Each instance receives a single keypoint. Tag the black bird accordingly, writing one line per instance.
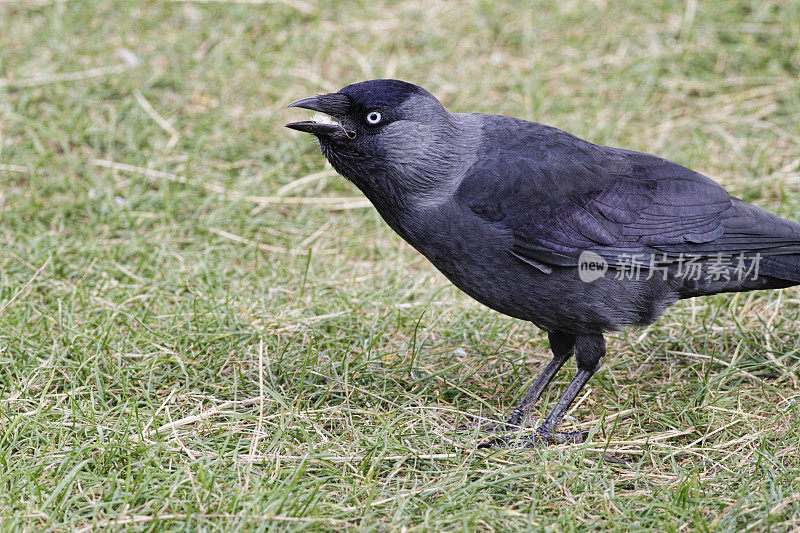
(540, 225)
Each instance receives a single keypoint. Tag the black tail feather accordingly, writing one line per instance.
(785, 267)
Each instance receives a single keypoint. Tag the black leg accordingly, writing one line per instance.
(562, 345)
(589, 353)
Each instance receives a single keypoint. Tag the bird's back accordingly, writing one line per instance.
(539, 199)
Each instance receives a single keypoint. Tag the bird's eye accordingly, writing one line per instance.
(373, 117)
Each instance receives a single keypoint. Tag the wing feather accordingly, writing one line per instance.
(560, 195)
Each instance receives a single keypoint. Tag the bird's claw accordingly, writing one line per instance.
(537, 440)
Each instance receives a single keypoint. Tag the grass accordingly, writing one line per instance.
(182, 350)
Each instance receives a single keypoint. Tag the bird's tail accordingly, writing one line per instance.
(782, 267)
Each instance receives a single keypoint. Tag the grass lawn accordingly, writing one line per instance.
(202, 327)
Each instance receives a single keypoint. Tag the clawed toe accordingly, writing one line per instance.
(537, 440)
(571, 437)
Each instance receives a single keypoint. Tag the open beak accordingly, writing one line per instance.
(324, 122)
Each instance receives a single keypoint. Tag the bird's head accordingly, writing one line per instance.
(381, 132)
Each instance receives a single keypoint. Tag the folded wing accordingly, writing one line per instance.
(559, 196)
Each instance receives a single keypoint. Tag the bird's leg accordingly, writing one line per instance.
(562, 345)
(589, 353)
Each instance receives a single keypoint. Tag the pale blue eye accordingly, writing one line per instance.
(373, 117)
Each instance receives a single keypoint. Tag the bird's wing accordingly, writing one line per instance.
(559, 196)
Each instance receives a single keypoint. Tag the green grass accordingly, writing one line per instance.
(178, 351)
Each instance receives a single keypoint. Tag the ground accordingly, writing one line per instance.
(202, 327)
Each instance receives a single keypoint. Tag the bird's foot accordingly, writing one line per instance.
(537, 440)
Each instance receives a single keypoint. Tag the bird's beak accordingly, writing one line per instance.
(307, 103)
(329, 108)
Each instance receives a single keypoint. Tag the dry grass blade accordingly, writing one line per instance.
(25, 288)
(220, 409)
(299, 5)
(170, 517)
(261, 246)
(13, 168)
(47, 79)
(301, 182)
(341, 203)
(161, 121)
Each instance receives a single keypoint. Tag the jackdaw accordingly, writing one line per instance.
(540, 225)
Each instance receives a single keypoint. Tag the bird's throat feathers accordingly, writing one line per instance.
(411, 164)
